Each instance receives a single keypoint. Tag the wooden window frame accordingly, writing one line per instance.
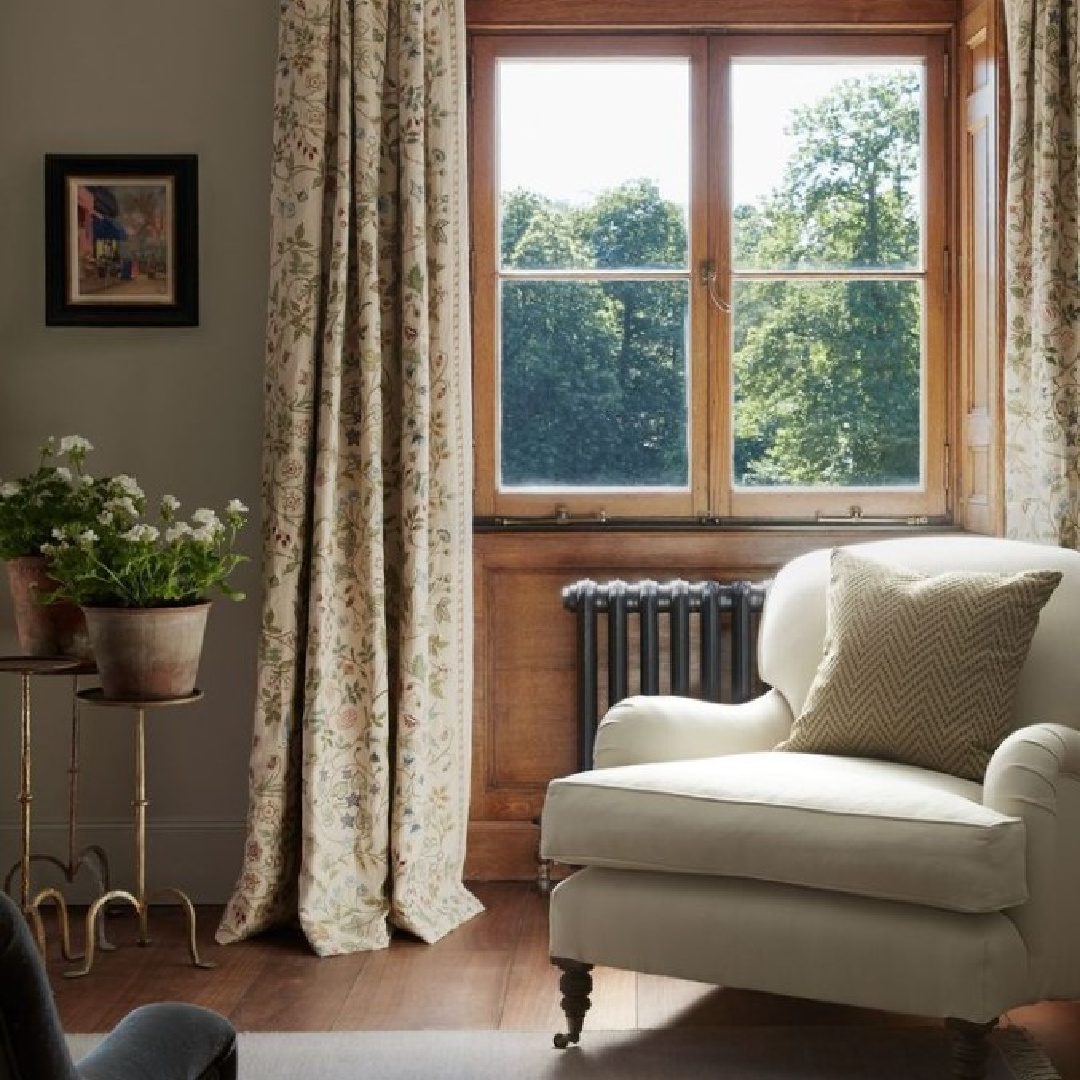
(711, 494)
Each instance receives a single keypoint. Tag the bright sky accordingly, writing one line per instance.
(573, 128)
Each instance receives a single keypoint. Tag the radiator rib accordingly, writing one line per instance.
(648, 605)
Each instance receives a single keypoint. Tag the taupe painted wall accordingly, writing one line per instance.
(178, 408)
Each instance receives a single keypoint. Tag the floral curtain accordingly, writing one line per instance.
(359, 769)
(1042, 370)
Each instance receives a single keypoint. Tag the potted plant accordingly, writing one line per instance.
(59, 494)
(145, 588)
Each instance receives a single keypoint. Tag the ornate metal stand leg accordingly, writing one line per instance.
(140, 825)
(140, 900)
(92, 857)
(92, 914)
(189, 915)
(25, 798)
(576, 985)
(61, 917)
(30, 908)
(970, 1047)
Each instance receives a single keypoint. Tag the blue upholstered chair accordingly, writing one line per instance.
(168, 1041)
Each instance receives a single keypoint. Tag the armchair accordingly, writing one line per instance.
(167, 1041)
(706, 853)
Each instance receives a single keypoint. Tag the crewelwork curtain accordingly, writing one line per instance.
(1042, 370)
(360, 760)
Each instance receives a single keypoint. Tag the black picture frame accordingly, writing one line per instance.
(121, 240)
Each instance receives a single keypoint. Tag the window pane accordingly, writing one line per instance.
(594, 384)
(827, 383)
(594, 163)
(827, 164)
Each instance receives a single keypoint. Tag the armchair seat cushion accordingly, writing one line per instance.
(859, 826)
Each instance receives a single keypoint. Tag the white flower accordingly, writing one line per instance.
(74, 443)
(203, 516)
(49, 549)
(236, 507)
(128, 485)
(170, 503)
(87, 538)
(105, 517)
(64, 473)
(138, 533)
(206, 533)
(85, 480)
(178, 531)
(122, 505)
(58, 534)
(8, 489)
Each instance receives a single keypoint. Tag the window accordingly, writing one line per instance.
(709, 276)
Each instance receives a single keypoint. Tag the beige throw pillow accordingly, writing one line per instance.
(920, 669)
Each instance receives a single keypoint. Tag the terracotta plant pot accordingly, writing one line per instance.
(44, 629)
(147, 654)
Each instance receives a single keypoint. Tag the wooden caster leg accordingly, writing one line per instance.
(576, 985)
(970, 1047)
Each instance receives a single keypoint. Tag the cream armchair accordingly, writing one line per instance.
(706, 854)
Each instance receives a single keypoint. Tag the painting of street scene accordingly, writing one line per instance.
(122, 248)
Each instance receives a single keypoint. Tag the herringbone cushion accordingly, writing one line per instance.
(917, 669)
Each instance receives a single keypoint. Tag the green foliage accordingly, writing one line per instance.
(57, 495)
(827, 373)
(631, 226)
(827, 380)
(125, 562)
(827, 384)
(593, 373)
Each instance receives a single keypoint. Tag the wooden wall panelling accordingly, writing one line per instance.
(699, 14)
(525, 713)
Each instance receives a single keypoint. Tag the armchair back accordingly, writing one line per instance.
(792, 632)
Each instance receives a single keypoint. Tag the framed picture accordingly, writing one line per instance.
(121, 240)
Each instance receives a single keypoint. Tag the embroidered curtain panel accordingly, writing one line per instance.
(1042, 369)
(360, 758)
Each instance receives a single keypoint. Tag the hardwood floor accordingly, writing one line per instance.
(493, 973)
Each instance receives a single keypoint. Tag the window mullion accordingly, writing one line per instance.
(718, 148)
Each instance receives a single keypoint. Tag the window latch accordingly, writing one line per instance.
(564, 517)
(855, 516)
(707, 277)
(559, 516)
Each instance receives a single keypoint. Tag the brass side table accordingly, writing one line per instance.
(92, 857)
(140, 899)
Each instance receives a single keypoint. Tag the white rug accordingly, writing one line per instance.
(809, 1053)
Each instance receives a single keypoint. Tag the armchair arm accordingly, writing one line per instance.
(642, 729)
(167, 1040)
(1035, 775)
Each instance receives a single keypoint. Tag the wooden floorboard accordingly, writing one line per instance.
(493, 973)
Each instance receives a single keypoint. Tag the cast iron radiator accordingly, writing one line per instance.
(707, 650)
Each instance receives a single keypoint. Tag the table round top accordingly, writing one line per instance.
(45, 665)
(96, 696)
